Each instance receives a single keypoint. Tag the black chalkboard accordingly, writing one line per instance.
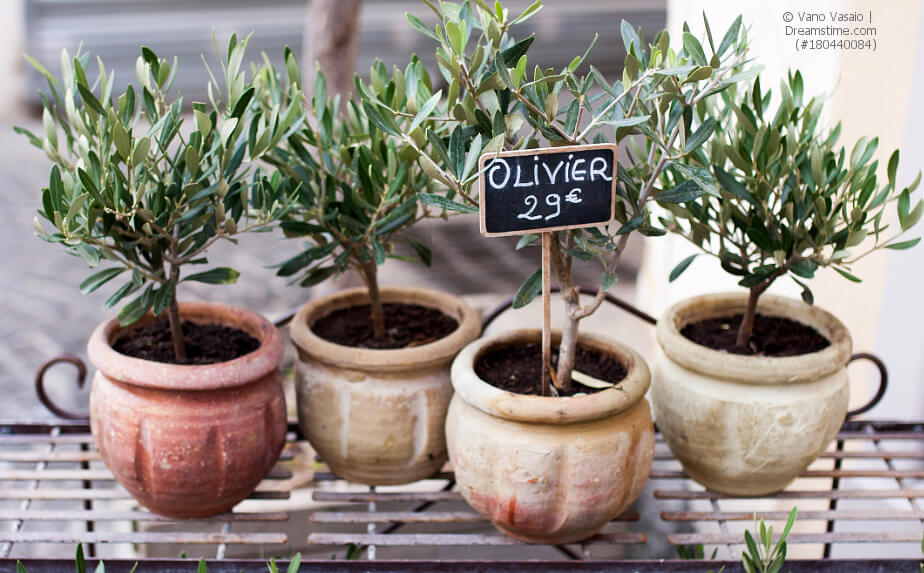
(540, 190)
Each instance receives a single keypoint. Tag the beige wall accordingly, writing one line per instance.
(12, 42)
(870, 94)
(900, 342)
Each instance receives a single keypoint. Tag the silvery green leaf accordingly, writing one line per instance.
(226, 129)
(444, 203)
(628, 121)
(526, 240)
(694, 49)
(900, 246)
(90, 255)
(681, 267)
(529, 290)
(140, 153)
(96, 280)
(163, 296)
(216, 276)
(425, 110)
(700, 176)
(133, 311)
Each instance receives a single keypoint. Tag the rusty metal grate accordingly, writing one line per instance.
(54, 489)
(867, 488)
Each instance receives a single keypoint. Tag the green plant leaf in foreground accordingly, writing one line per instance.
(529, 290)
(216, 276)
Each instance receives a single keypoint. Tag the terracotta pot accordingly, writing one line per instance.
(748, 425)
(376, 416)
(189, 441)
(549, 470)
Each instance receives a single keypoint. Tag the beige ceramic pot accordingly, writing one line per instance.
(549, 470)
(189, 441)
(376, 416)
(748, 425)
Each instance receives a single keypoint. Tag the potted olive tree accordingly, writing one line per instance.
(186, 407)
(557, 468)
(751, 387)
(372, 379)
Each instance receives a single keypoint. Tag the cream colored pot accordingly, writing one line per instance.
(549, 470)
(748, 425)
(376, 416)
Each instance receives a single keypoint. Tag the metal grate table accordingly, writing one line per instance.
(867, 488)
(866, 491)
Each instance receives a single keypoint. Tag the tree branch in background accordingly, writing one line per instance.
(332, 40)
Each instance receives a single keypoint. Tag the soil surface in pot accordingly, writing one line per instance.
(518, 368)
(405, 325)
(772, 336)
(205, 343)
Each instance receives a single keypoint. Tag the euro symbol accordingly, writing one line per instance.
(574, 196)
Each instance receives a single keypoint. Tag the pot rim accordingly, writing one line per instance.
(436, 353)
(546, 409)
(163, 375)
(758, 370)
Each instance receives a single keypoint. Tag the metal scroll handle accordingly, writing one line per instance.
(644, 316)
(883, 382)
(43, 395)
(81, 379)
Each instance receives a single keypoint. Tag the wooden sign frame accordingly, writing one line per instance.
(544, 151)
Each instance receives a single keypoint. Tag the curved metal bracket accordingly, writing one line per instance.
(43, 395)
(286, 318)
(883, 382)
(640, 314)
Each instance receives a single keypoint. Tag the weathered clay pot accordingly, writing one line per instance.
(376, 416)
(184, 440)
(549, 470)
(748, 425)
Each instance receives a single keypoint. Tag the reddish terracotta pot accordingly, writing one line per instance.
(189, 441)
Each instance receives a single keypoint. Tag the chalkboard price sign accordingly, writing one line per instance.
(541, 190)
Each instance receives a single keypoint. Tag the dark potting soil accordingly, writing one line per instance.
(205, 343)
(772, 336)
(518, 368)
(405, 325)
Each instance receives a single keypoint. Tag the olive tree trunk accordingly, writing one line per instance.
(743, 338)
(747, 320)
(567, 348)
(574, 312)
(369, 273)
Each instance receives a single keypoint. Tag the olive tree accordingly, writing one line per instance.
(496, 101)
(133, 191)
(791, 199)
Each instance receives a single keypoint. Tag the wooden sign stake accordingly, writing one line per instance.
(546, 312)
